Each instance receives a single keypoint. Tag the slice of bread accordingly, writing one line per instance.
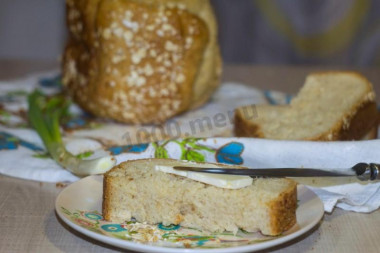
(136, 189)
(330, 106)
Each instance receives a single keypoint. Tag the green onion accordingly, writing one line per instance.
(44, 116)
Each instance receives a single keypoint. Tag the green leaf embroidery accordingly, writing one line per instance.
(201, 147)
(161, 152)
(195, 156)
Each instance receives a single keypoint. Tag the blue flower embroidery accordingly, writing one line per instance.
(113, 228)
(138, 148)
(273, 101)
(52, 82)
(75, 123)
(82, 121)
(269, 97)
(8, 142)
(288, 98)
(230, 153)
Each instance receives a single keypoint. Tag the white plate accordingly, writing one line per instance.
(79, 205)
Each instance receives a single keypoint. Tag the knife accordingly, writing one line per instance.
(362, 171)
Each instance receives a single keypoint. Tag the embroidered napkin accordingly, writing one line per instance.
(22, 153)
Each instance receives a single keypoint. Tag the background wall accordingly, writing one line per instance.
(335, 32)
(323, 32)
(31, 29)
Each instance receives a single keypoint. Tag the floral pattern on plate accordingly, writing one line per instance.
(173, 236)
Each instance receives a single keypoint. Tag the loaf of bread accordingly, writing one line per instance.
(141, 61)
(330, 106)
(136, 189)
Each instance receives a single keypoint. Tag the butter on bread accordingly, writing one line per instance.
(135, 189)
(330, 106)
(141, 61)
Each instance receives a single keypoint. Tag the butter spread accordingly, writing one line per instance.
(218, 180)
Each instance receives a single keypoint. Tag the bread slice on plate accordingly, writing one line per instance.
(136, 189)
(330, 106)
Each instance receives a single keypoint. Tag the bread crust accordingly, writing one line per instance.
(360, 123)
(372, 134)
(244, 127)
(107, 196)
(141, 61)
(283, 210)
(354, 125)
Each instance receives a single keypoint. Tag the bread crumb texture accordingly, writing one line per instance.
(136, 189)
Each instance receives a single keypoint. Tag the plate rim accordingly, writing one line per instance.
(150, 248)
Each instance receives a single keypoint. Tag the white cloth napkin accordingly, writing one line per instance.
(353, 197)
(22, 154)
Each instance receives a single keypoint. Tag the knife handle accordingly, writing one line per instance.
(372, 172)
(375, 171)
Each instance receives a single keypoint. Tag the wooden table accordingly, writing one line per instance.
(29, 223)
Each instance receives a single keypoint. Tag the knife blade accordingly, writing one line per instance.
(278, 172)
(363, 171)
